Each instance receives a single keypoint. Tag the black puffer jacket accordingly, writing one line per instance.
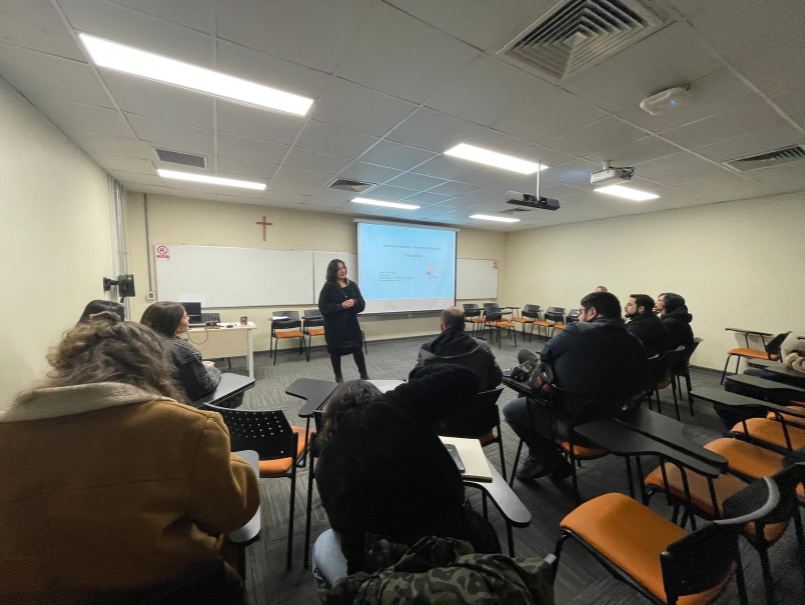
(459, 348)
(677, 322)
(386, 472)
(650, 330)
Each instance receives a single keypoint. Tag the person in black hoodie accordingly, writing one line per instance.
(455, 346)
(674, 315)
(645, 325)
(599, 369)
(383, 471)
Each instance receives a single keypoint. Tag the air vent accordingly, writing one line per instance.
(185, 159)
(770, 158)
(347, 185)
(577, 34)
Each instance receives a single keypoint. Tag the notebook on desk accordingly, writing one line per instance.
(472, 455)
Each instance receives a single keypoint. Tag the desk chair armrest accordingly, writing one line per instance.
(748, 331)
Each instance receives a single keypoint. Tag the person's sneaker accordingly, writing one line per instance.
(339, 379)
(532, 469)
(562, 472)
(365, 376)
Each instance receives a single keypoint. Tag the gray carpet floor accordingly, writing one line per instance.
(581, 580)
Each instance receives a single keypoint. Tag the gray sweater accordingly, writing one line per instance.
(190, 373)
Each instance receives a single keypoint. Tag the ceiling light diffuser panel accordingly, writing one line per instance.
(126, 59)
(371, 202)
(500, 219)
(212, 180)
(627, 192)
(493, 158)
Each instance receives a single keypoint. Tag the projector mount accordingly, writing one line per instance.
(532, 201)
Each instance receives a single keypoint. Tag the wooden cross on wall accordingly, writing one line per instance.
(264, 224)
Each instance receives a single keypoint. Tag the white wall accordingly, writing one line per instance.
(55, 238)
(738, 264)
(174, 220)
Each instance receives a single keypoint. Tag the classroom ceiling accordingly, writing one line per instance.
(398, 82)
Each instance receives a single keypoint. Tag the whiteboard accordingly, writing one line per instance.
(476, 279)
(320, 262)
(235, 277)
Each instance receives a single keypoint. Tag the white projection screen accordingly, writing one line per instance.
(406, 267)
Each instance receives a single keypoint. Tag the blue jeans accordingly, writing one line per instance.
(537, 426)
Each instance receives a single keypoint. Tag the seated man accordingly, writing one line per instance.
(674, 314)
(645, 325)
(599, 368)
(455, 346)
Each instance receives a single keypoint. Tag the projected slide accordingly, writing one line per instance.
(406, 268)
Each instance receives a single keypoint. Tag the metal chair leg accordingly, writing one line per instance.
(291, 515)
(726, 365)
(765, 565)
(516, 462)
(502, 457)
(309, 512)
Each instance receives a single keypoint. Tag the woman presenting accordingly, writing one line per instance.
(340, 301)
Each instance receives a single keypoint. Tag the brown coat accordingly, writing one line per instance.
(105, 487)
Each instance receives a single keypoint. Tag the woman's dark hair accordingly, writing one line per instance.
(672, 301)
(332, 270)
(163, 318)
(108, 349)
(345, 400)
(606, 303)
(99, 306)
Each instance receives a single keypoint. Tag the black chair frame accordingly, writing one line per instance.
(292, 322)
(771, 348)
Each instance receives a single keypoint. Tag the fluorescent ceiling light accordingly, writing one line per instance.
(502, 219)
(155, 67)
(371, 202)
(492, 158)
(213, 180)
(627, 192)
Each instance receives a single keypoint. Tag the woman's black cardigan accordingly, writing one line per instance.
(341, 329)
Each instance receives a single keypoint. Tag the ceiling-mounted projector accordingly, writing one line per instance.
(611, 175)
(532, 201)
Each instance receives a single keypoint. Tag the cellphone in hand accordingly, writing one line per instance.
(454, 455)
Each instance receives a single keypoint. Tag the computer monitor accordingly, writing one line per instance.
(193, 310)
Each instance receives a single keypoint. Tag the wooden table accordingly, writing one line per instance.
(217, 343)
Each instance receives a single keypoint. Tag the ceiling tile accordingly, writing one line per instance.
(752, 143)
(302, 177)
(689, 174)
(122, 164)
(428, 129)
(486, 90)
(150, 189)
(411, 180)
(89, 118)
(257, 123)
(359, 108)
(486, 25)
(317, 162)
(96, 144)
(727, 125)
(324, 138)
(120, 24)
(369, 173)
(387, 192)
(426, 198)
(36, 25)
(172, 136)
(136, 177)
(667, 58)
(38, 75)
(246, 167)
(571, 171)
(487, 194)
(600, 136)
(402, 56)
(668, 163)
(261, 68)
(195, 14)
(501, 179)
(311, 32)
(395, 155)
(446, 167)
(641, 150)
(249, 149)
(161, 101)
(285, 197)
(455, 188)
(554, 113)
(500, 142)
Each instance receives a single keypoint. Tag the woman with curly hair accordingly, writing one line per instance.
(108, 484)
